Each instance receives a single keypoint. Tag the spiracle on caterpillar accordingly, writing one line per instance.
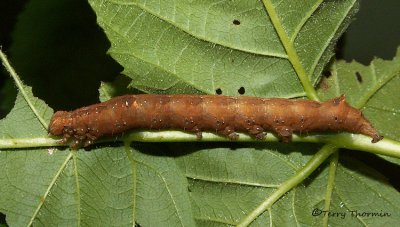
(224, 115)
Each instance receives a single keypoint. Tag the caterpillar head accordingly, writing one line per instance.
(58, 123)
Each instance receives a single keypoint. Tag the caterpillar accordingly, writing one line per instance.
(224, 115)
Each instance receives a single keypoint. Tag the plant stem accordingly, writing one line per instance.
(133, 166)
(330, 184)
(291, 51)
(385, 147)
(28, 142)
(299, 177)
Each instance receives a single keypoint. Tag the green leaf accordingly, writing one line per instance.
(200, 47)
(26, 180)
(111, 186)
(161, 189)
(118, 87)
(373, 88)
(23, 122)
(356, 188)
(228, 182)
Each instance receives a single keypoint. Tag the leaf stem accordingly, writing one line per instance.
(350, 141)
(385, 147)
(133, 166)
(286, 186)
(291, 51)
(51, 184)
(330, 184)
(28, 142)
(78, 187)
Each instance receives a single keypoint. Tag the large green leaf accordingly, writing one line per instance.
(201, 46)
(227, 184)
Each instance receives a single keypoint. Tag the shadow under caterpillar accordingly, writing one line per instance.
(224, 115)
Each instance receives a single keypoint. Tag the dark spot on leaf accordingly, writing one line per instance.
(218, 91)
(241, 90)
(236, 22)
(359, 77)
(326, 74)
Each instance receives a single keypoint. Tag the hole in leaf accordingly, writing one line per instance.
(359, 77)
(241, 90)
(326, 74)
(236, 22)
(218, 91)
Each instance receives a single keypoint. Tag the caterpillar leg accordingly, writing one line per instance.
(88, 142)
(65, 139)
(67, 133)
(75, 144)
(199, 135)
(261, 135)
(229, 132)
(233, 136)
(197, 131)
(284, 133)
(89, 139)
(257, 131)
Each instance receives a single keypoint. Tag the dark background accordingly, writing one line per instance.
(53, 44)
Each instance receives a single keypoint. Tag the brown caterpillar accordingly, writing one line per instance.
(221, 114)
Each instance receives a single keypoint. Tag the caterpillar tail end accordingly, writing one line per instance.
(368, 130)
(376, 138)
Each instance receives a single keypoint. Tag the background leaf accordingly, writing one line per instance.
(372, 88)
(354, 182)
(26, 178)
(231, 44)
(227, 182)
